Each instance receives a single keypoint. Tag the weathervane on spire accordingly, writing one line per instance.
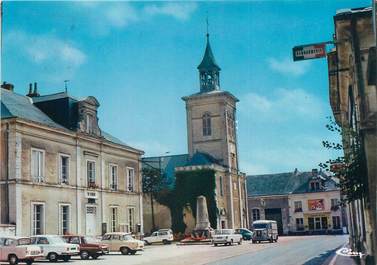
(207, 24)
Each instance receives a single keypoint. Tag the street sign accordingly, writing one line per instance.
(311, 51)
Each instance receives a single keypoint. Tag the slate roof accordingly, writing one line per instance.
(285, 183)
(170, 162)
(17, 106)
(208, 61)
(14, 105)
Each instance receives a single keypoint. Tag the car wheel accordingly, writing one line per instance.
(53, 257)
(165, 242)
(66, 258)
(29, 262)
(124, 250)
(133, 252)
(215, 244)
(13, 260)
(95, 256)
(84, 254)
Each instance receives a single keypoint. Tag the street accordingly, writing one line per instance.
(308, 250)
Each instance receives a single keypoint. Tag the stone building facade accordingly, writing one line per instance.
(212, 144)
(60, 173)
(300, 202)
(353, 98)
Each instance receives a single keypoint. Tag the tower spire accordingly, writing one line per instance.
(209, 71)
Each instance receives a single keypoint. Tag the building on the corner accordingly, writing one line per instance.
(60, 172)
(352, 71)
(212, 144)
(300, 202)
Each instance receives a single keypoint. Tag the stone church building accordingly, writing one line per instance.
(212, 144)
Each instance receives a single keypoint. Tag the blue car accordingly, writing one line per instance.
(246, 233)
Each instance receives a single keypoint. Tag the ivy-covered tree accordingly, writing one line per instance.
(351, 168)
(152, 185)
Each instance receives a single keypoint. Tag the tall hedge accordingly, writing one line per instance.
(188, 186)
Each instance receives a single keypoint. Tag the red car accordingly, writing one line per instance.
(89, 246)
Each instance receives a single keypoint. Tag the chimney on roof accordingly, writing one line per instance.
(33, 93)
(314, 172)
(7, 86)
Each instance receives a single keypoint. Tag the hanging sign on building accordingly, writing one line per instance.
(316, 205)
(310, 51)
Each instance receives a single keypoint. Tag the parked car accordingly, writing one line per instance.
(123, 242)
(54, 248)
(265, 230)
(89, 246)
(226, 237)
(164, 236)
(18, 249)
(245, 233)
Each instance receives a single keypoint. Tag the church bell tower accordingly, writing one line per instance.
(211, 115)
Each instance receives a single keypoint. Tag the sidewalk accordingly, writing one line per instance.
(341, 257)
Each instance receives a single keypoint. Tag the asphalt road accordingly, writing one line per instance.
(307, 250)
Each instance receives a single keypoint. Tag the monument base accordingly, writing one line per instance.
(198, 236)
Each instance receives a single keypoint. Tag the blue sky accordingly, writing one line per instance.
(139, 58)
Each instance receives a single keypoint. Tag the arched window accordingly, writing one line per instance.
(256, 214)
(206, 124)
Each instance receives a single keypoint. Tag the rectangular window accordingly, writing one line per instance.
(64, 168)
(256, 214)
(113, 177)
(114, 219)
(64, 219)
(91, 173)
(37, 165)
(131, 219)
(334, 204)
(38, 218)
(336, 222)
(311, 223)
(221, 186)
(298, 206)
(299, 224)
(130, 179)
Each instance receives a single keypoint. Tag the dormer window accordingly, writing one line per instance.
(315, 185)
(89, 123)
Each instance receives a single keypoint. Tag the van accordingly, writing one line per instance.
(265, 230)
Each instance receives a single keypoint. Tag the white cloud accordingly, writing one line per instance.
(287, 66)
(282, 105)
(61, 58)
(106, 16)
(180, 11)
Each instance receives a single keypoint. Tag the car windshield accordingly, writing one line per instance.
(259, 226)
(24, 241)
(223, 232)
(56, 240)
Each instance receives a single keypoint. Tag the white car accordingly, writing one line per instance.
(55, 248)
(226, 237)
(164, 236)
(18, 249)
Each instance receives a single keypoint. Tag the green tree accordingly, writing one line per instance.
(152, 185)
(351, 168)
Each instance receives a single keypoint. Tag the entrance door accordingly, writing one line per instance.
(275, 214)
(91, 220)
